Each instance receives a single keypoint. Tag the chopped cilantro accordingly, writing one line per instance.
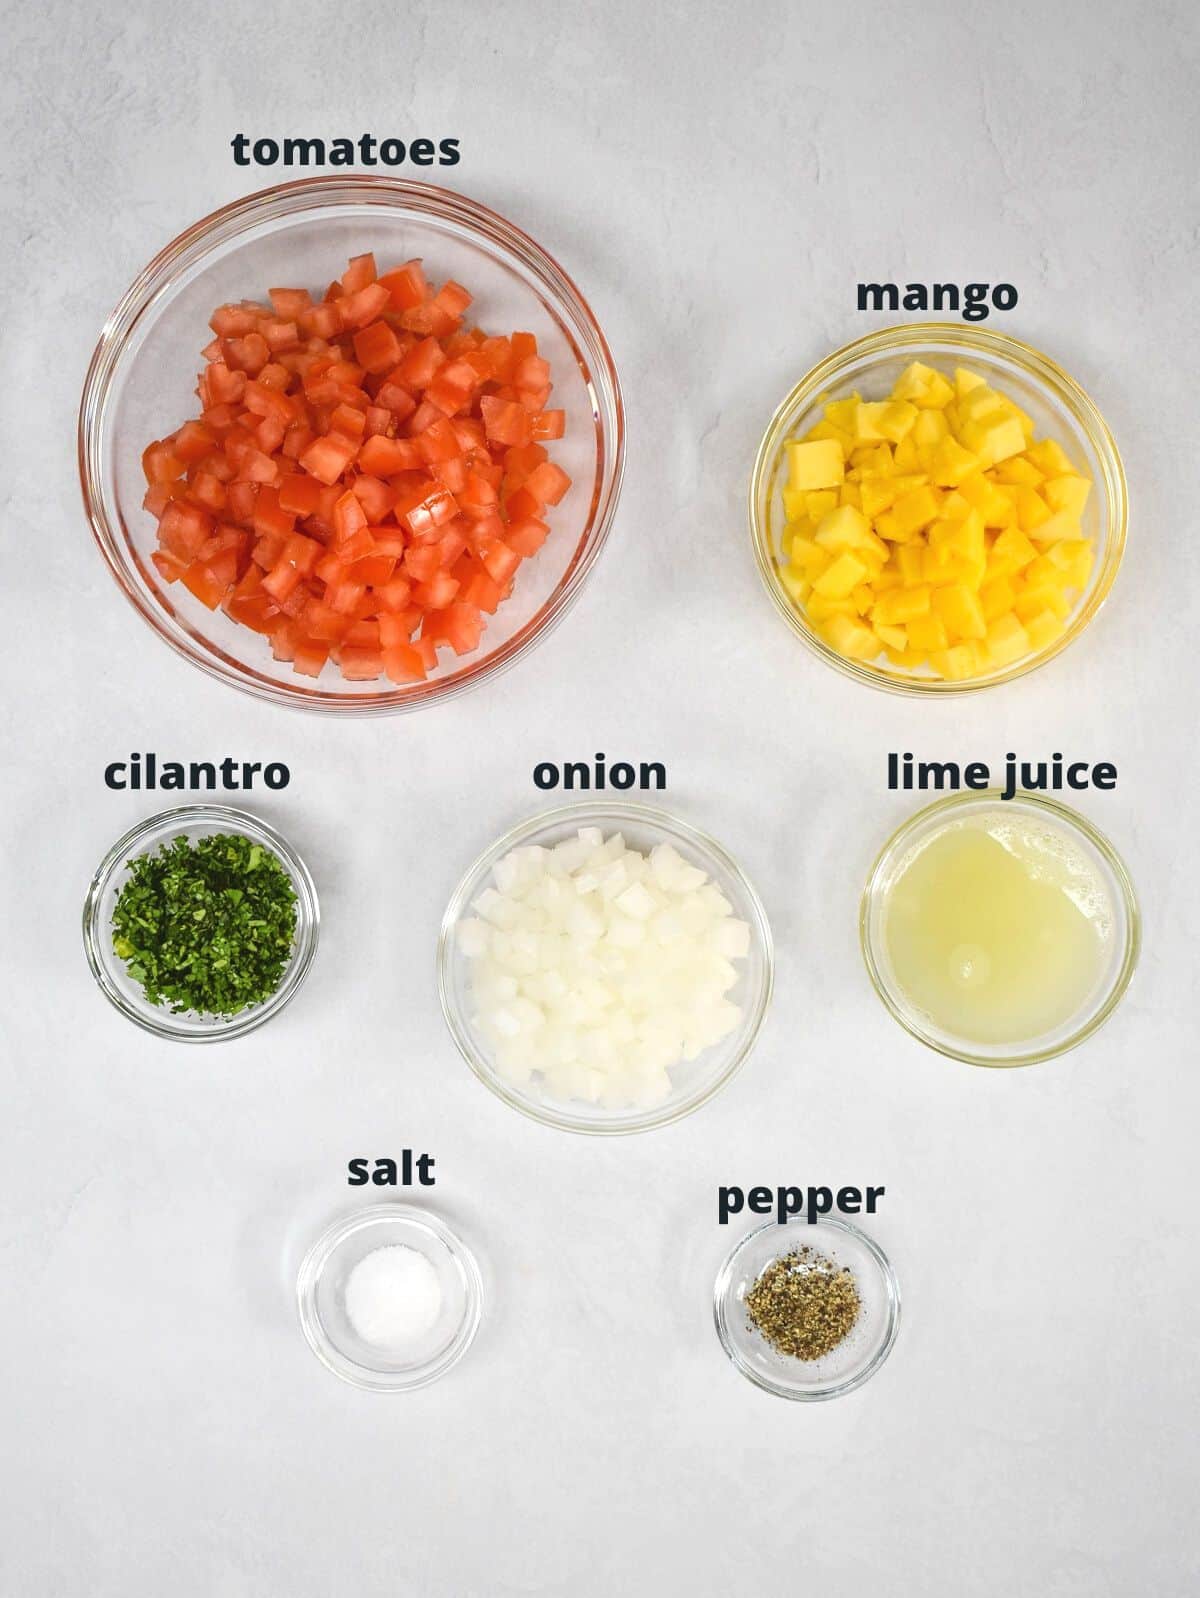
(206, 925)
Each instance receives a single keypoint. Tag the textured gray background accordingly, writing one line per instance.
(717, 179)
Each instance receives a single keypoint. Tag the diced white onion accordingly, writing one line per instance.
(598, 969)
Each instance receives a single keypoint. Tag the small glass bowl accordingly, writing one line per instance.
(695, 1082)
(1125, 939)
(192, 821)
(1060, 410)
(321, 1287)
(140, 385)
(856, 1358)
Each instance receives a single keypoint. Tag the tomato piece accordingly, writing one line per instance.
(361, 271)
(504, 421)
(310, 656)
(375, 497)
(407, 286)
(526, 537)
(160, 462)
(377, 348)
(356, 310)
(299, 495)
(204, 584)
(437, 593)
(548, 483)
(327, 458)
(548, 424)
(360, 665)
(403, 663)
(500, 561)
(462, 627)
(420, 364)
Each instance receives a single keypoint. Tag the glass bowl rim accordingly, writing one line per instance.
(181, 817)
(816, 1395)
(1058, 383)
(238, 220)
(1073, 821)
(655, 818)
(317, 1257)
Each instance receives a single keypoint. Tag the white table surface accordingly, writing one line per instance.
(717, 179)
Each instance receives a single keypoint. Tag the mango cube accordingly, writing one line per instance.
(840, 576)
(820, 463)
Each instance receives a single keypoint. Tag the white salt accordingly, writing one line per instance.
(393, 1296)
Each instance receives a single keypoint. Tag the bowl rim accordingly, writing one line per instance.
(815, 1395)
(316, 1258)
(179, 818)
(653, 817)
(1074, 822)
(240, 217)
(1060, 385)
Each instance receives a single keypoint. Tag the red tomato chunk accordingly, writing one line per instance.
(366, 475)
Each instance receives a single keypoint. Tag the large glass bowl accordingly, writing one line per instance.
(870, 366)
(140, 385)
(695, 1082)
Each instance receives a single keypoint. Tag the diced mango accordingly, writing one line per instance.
(819, 463)
(928, 529)
(841, 576)
(960, 610)
(1061, 525)
(1043, 629)
(951, 463)
(915, 510)
(901, 605)
(1007, 640)
(850, 637)
(926, 632)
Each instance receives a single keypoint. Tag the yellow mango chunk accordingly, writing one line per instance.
(899, 605)
(843, 528)
(820, 463)
(915, 510)
(850, 637)
(996, 599)
(1043, 629)
(926, 632)
(960, 610)
(885, 419)
(951, 463)
(1061, 525)
(819, 503)
(1007, 640)
(840, 576)
(1068, 493)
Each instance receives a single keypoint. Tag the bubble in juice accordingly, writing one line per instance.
(998, 928)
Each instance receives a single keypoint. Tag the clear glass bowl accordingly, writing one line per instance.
(1061, 411)
(141, 380)
(192, 821)
(321, 1290)
(856, 1358)
(1124, 938)
(695, 1082)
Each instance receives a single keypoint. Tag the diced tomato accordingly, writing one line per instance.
(526, 537)
(377, 348)
(500, 561)
(505, 421)
(359, 273)
(360, 665)
(327, 458)
(407, 286)
(289, 502)
(310, 656)
(547, 483)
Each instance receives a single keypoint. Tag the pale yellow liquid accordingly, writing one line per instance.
(998, 928)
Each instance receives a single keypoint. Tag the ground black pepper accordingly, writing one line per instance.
(804, 1304)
